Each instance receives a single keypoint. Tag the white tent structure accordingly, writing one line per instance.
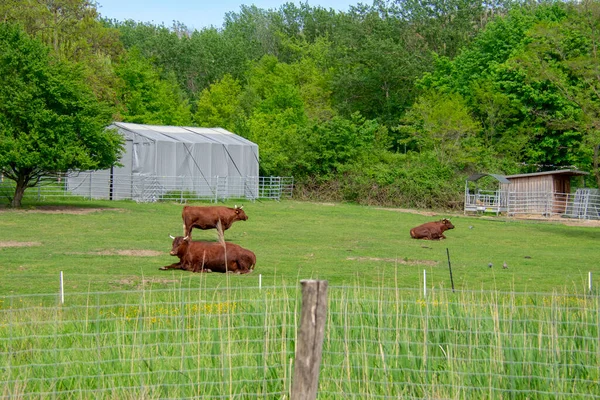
(202, 162)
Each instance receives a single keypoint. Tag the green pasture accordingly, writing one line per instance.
(110, 246)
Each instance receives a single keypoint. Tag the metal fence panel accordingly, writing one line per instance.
(583, 204)
(150, 188)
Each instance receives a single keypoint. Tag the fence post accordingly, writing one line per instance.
(309, 344)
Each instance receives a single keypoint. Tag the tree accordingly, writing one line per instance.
(72, 30)
(442, 123)
(219, 105)
(146, 98)
(523, 113)
(50, 120)
(377, 59)
(565, 54)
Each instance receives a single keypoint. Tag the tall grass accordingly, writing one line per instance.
(239, 343)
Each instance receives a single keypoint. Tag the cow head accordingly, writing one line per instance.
(240, 214)
(447, 223)
(178, 242)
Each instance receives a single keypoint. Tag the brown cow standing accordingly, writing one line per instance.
(208, 217)
(211, 257)
(431, 230)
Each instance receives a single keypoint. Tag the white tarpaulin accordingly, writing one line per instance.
(163, 155)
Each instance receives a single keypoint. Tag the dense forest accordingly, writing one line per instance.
(393, 103)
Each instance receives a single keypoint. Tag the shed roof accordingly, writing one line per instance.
(567, 172)
(499, 178)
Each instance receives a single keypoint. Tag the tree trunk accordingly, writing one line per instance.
(19, 192)
(22, 183)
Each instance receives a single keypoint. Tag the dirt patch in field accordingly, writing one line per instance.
(131, 253)
(410, 211)
(560, 220)
(11, 243)
(533, 217)
(62, 210)
(395, 260)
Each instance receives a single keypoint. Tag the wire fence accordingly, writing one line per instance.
(239, 343)
(583, 204)
(151, 188)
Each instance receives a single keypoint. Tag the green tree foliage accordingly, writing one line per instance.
(377, 62)
(277, 116)
(50, 120)
(145, 98)
(565, 54)
(220, 105)
(523, 114)
(328, 147)
(441, 123)
(71, 28)
(447, 25)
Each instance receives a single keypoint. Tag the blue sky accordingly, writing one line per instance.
(198, 14)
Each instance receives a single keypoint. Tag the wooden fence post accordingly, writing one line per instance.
(309, 344)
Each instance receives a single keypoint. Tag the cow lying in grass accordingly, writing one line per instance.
(211, 256)
(431, 230)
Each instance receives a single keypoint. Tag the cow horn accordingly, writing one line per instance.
(241, 207)
(235, 206)
(171, 236)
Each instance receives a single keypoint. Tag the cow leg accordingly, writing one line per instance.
(172, 266)
(199, 267)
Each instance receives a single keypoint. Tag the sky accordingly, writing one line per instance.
(198, 14)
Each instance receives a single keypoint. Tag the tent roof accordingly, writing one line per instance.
(184, 134)
(499, 178)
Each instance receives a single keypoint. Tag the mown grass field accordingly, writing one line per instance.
(104, 246)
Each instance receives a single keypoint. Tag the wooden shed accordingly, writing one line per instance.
(544, 193)
(540, 192)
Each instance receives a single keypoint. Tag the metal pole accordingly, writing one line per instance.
(424, 283)
(450, 268)
(62, 289)
(112, 178)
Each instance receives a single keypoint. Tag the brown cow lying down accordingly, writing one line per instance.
(431, 230)
(207, 217)
(210, 257)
